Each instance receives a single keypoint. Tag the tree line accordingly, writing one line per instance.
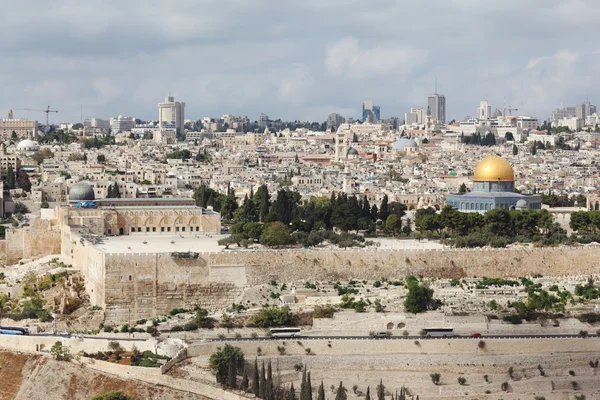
(497, 228)
(233, 372)
(259, 218)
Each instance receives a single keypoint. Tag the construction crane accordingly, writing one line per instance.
(510, 110)
(47, 111)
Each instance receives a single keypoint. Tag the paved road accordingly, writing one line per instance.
(551, 336)
(87, 337)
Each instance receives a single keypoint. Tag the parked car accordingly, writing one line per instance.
(476, 335)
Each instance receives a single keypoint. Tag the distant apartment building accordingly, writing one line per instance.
(370, 112)
(334, 120)
(122, 124)
(592, 119)
(525, 122)
(573, 123)
(437, 107)
(561, 113)
(97, 124)
(172, 112)
(415, 116)
(584, 109)
(263, 120)
(22, 127)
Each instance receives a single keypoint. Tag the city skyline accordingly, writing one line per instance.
(225, 64)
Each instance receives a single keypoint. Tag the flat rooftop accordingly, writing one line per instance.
(158, 243)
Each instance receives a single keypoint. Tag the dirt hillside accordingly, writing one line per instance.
(32, 377)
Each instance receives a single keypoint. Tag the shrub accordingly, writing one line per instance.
(125, 328)
(504, 386)
(574, 385)
(190, 326)
(542, 372)
(485, 378)
(435, 378)
(571, 372)
(281, 350)
(481, 344)
(60, 352)
(462, 380)
(272, 316)
(325, 311)
(176, 311)
(108, 328)
(114, 395)
(177, 328)
(513, 319)
(511, 372)
(298, 367)
(583, 333)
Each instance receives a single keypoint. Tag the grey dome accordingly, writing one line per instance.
(82, 192)
(521, 205)
(352, 152)
(402, 143)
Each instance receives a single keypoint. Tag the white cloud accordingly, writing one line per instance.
(346, 58)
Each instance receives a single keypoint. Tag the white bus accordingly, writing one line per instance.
(438, 332)
(285, 332)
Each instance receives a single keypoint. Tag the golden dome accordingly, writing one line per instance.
(494, 168)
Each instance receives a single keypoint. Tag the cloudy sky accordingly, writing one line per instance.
(295, 59)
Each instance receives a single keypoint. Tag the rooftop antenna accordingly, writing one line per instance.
(435, 86)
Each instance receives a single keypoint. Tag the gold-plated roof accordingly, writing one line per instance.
(494, 168)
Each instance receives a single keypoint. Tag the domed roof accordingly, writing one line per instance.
(352, 151)
(402, 143)
(521, 203)
(27, 145)
(81, 192)
(493, 169)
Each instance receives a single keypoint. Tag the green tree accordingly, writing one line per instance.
(275, 234)
(515, 150)
(101, 159)
(13, 135)
(113, 395)
(534, 149)
(341, 392)
(11, 182)
(23, 181)
(321, 392)
(60, 352)
(435, 378)
(462, 189)
(227, 361)
(255, 379)
(21, 208)
(383, 209)
(272, 316)
(419, 297)
(368, 395)
(380, 390)
(393, 224)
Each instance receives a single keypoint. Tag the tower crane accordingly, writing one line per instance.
(47, 111)
(510, 110)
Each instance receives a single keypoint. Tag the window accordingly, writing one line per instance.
(129, 277)
(153, 229)
(197, 228)
(162, 228)
(169, 229)
(183, 229)
(177, 229)
(132, 229)
(139, 229)
(147, 229)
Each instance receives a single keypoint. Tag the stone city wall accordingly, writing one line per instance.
(146, 285)
(40, 238)
(295, 265)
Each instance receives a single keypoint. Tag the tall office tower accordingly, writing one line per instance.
(583, 110)
(484, 111)
(370, 113)
(560, 113)
(437, 107)
(171, 113)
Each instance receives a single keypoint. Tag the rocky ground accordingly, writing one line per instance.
(32, 377)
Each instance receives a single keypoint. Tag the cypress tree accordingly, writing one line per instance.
(10, 178)
(340, 393)
(245, 383)
(383, 209)
(303, 385)
(308, 387)
(255, 379)
(231, 374)
(116, 192)
(292, 393)
(269, 383)
(263, 382)
(368, 395)
(321, 392)
(380, 390)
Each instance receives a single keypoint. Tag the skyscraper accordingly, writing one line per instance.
(437, 107)
(171, 113)
(370, 113)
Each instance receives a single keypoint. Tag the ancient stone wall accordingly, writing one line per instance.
(39, 239)
(293, 265)
(147, 285)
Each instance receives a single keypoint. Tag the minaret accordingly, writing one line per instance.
(346, 184)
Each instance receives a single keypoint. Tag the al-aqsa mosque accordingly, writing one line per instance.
(493, 187)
